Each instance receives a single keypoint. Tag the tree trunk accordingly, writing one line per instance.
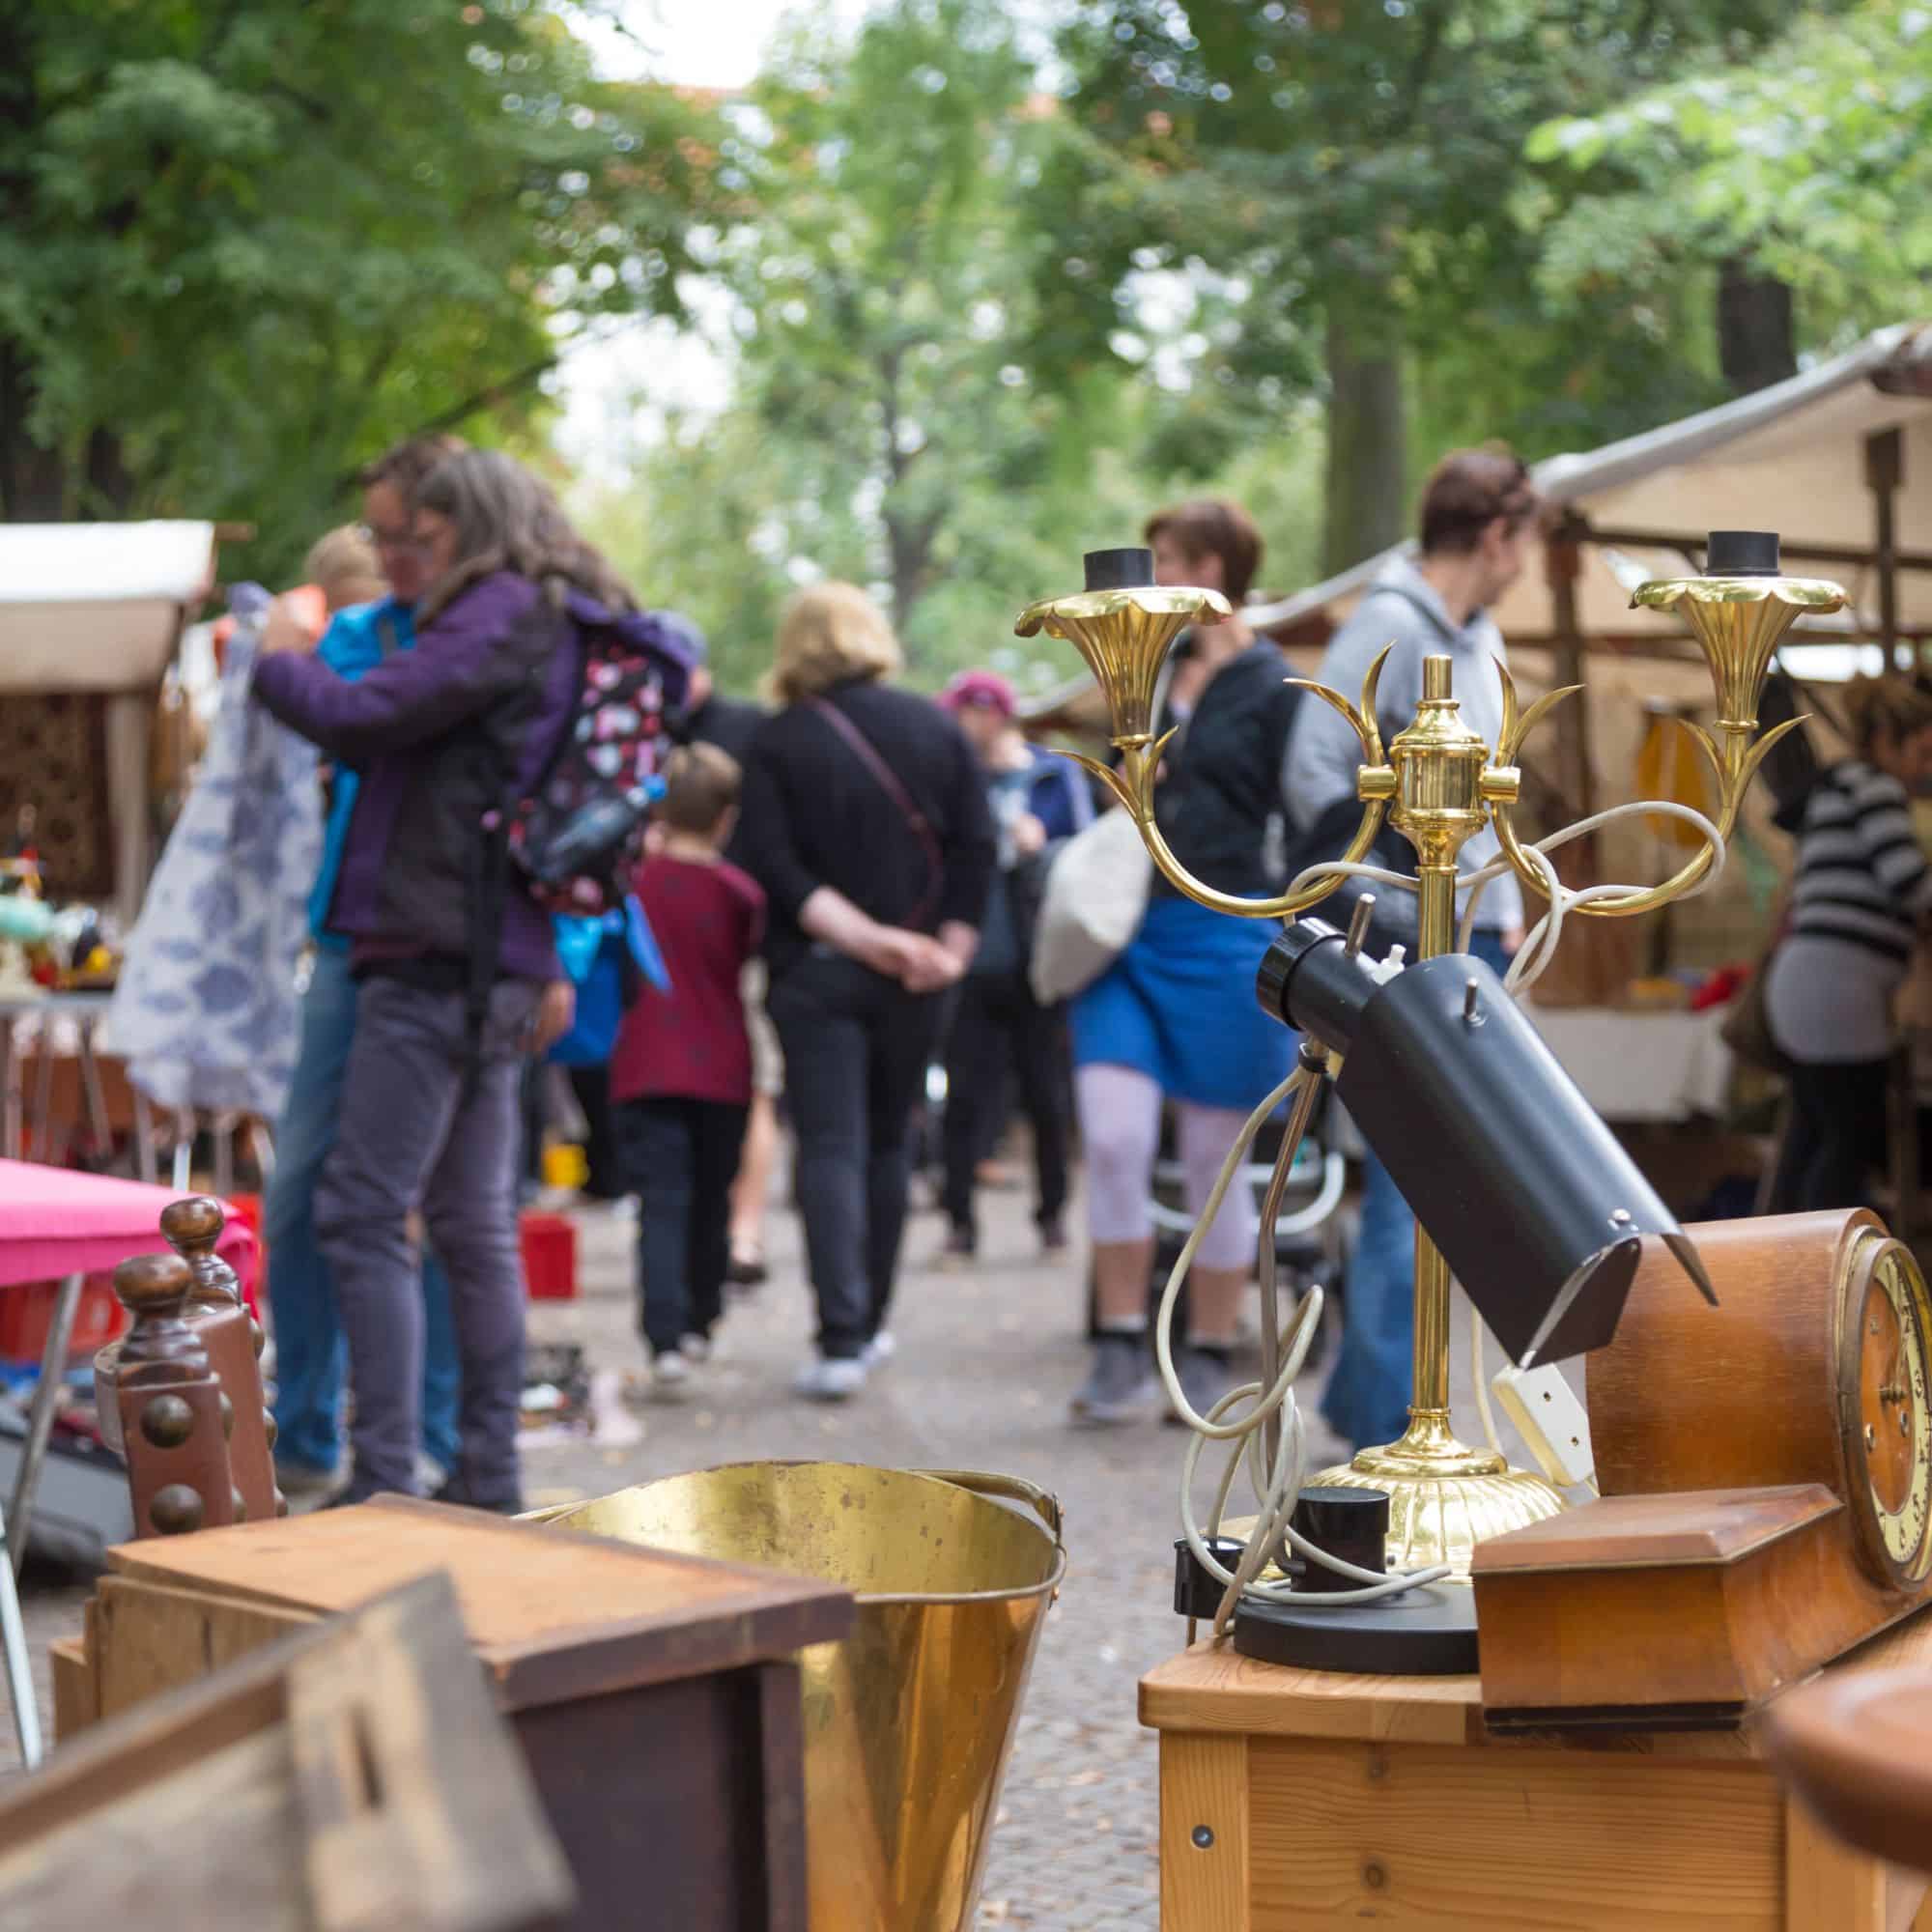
(1757, 339)
(110, 483)
(33, 481)
(909, 541)
(1368, 444)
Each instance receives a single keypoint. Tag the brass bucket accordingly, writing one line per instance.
(908, 1719)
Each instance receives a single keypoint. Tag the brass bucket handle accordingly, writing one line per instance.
(1011, 1488)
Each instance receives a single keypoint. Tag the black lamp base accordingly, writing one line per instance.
(1429, 1630)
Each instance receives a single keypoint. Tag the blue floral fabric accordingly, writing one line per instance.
(205, 1009)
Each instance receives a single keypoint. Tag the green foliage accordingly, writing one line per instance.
(1365, 165)
(242, 246)
(1815, 161)
(889, 423)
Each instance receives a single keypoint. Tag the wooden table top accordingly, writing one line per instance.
(1210, 1689)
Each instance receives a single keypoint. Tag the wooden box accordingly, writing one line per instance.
(654, 1696)
(352, 1776)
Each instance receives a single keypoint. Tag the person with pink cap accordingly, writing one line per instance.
(1037, 798)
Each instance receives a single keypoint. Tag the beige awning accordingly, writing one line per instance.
(98, 607)
(1791, 458)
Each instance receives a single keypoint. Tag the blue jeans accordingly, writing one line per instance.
(1367, 1399)
(310, 1358)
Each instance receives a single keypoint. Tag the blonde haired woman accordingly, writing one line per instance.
(1862, 890)
(865, 819)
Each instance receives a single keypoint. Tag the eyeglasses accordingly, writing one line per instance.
(395, 540)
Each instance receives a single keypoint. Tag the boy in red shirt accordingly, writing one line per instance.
(681, 1071)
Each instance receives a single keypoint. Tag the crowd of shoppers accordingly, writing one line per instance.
(839, 891)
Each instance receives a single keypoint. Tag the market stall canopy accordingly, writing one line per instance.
(1797, 458)
(96, 607)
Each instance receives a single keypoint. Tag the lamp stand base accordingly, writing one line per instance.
(1444, 1497)
(1428, 1632)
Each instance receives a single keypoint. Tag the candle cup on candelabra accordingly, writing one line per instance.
(1438, 785)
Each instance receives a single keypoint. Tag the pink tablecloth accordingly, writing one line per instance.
(54, 1222)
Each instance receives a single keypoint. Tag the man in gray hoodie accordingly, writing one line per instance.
(1478, 516)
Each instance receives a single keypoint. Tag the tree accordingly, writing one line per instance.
(1362, 168)
(1812, 164)
(896, 415)
(242, 246)
(890, 264)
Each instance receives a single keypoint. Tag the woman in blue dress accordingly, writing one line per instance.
(1173, 1020)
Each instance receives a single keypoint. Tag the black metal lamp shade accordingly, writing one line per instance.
(1532, 1200)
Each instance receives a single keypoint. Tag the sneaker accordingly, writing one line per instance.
(695, 1350)
(879, 1351)
(831, 1378)
(747, 1268)
(1053, 1236)
(1204, 1378)
(670, 1374)
(304, 1479)
(1120, 1387)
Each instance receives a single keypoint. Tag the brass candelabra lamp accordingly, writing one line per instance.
(1439, 782)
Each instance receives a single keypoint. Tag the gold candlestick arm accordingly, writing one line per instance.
(1124, 635)
(1737, 622)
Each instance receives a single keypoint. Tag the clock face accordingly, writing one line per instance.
(1886, 1407)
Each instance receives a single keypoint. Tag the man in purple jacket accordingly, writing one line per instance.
(442, 736)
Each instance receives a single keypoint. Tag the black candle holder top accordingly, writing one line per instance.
(1130, 569)
(1741, 553)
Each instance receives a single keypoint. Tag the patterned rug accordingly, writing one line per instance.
(53, 756)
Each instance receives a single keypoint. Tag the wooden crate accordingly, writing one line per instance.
(352, 1776)
(655, 1696)
(1312, 1800)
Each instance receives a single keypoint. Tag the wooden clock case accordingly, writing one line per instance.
(1729, 1558)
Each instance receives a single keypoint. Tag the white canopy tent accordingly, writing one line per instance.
(1837, 460)
(98, 609)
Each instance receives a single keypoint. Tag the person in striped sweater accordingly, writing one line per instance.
(1862, 889)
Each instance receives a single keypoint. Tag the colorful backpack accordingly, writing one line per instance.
(576, 835)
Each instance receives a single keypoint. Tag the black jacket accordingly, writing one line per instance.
(1222, 792)
(815, 815)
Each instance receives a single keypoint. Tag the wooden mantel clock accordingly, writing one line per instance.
(1766, 1469)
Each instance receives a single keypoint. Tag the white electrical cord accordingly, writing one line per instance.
(1278, 1488)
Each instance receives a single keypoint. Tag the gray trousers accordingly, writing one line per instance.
(407, 1137)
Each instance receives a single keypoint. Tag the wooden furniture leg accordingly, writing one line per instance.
(1828, 1887)
(1204, 1833)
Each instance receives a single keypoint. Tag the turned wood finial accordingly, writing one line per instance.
(191, 1227)
(154, 1289)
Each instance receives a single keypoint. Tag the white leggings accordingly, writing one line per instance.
(1120, 1134)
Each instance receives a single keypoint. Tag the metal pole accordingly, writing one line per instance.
(19, 1670)
(9, 1090)
(1562, 560)
(41, 1418)
(99, 1128)
(1436, 923)
(1885, 470)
